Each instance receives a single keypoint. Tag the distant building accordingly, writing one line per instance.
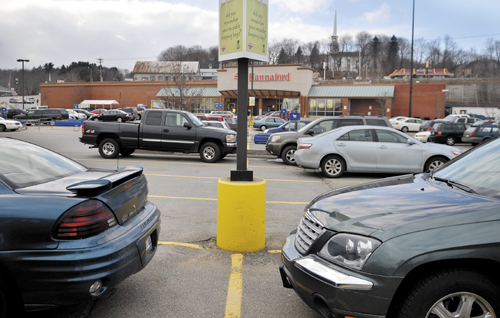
(340, 60)
(208, 73)
(166, 70)
(422, 73)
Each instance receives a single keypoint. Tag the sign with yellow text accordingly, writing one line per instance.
(243, 29)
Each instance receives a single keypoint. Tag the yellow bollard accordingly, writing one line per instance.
(241, 215)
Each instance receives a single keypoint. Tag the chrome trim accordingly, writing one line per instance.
(332, 276)
(169, 140)
(313, 218)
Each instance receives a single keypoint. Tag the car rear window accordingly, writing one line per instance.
(23, 164)
(153, 118)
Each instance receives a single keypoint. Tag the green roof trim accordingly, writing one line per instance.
(189, 91)
(352, 91)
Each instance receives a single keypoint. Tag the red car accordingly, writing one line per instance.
(98, 111)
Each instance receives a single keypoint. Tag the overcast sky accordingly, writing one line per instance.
(122, 32)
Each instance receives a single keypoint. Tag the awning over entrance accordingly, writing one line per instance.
(352, 91)
(103, 103)
(262, 93)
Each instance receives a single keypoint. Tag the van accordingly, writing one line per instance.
(48, 114)
(15, 100)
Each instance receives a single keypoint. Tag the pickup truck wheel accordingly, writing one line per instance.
(109, 148)
(127, 152)
(210, 152)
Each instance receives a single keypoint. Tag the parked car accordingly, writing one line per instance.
(427, 124)
(466, 120)
(284, 144)
(268, 122)
(222, 112)
(73, 114)
(419, 245)
(219, 124)
(422, 136)
(447, 133)
(478, 134)
(70, 234)
(44, 114)
(397, 118)
(36, 107)
(6, 124)
(134, 112)
(11, 112)
(98, 111)
(263, 137)
(84, 112)
(112, 115)
(369, 149)
(407, 124)
(231, 122)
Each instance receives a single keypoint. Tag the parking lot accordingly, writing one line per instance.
(190, 276)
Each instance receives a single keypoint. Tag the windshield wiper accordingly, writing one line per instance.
(453, 184)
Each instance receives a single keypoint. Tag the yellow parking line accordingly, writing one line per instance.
(235, 288)
(180, 244)
(274, 251)
(209, 199)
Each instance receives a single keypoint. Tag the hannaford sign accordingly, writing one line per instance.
(267, 78)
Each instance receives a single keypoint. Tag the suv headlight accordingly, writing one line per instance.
(275, 138)
(349, 250)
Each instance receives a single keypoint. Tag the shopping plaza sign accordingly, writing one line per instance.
(267, 77)
(243, 29)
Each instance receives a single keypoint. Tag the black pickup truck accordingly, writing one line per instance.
(160, 130)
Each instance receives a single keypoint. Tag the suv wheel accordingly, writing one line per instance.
(288, 155)
(452, 293)
(450, 141)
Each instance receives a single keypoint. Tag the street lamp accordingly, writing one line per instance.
(411, 59)
(22, 61)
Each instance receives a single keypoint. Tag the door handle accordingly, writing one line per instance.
(341, 145)
(165, 130)
(383, 147)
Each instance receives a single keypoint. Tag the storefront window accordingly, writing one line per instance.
(320, 107)
(204, 105)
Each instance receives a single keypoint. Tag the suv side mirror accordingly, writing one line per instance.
(187, 125)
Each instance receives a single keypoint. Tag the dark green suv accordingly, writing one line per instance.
(284, 144)
(447, 133)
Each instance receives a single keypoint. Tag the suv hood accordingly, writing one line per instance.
(400, 205)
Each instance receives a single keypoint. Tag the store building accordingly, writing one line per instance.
(275, 87)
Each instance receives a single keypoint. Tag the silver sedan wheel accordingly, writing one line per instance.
(333, 166)
(463, 305)
(436, 163)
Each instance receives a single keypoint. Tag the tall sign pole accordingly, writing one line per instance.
(243, 36)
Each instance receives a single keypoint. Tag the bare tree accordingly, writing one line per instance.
(182, 94)
(404, 52)
(176, 53)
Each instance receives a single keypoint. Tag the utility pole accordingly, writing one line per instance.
(22, 61)
(100, 67)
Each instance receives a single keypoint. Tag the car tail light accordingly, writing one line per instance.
(304, 146)
(83, 128)
(473, 133)
(428, 128)
(439, 133)
(84, 220)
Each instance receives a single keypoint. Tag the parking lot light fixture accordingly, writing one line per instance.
(22, 91)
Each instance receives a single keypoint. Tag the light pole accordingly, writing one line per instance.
(411, 59)
(22, 61)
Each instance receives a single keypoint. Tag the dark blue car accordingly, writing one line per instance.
(261, 138)
(68, 233)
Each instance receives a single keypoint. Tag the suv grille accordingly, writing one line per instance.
(308, 231)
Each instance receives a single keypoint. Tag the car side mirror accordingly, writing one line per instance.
(310, 132)
(410, 142)
(187, 125)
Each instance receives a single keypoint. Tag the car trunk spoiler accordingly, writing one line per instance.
(107, 183)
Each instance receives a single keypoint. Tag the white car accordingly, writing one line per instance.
(394, 119)
(213, 123)
(76, 115)
(407, 124)
(422, 136)
(369, 149)
(7, 124)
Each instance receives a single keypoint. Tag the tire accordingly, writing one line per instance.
(404, 129)
(127, 152)
(434, 162)
(210, 152)
(119, 119)
(96, 119)
(288, 155)
(333, 166)
(450, 141)
(2, 128)
(109, 148)
(263, 127)
(449, 291)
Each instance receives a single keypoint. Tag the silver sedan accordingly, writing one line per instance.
(370, 149)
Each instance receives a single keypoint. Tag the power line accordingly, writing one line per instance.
(475, 36)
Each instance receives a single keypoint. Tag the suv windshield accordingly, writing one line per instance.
(478, 170)
(195, 120)
(23, 164)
